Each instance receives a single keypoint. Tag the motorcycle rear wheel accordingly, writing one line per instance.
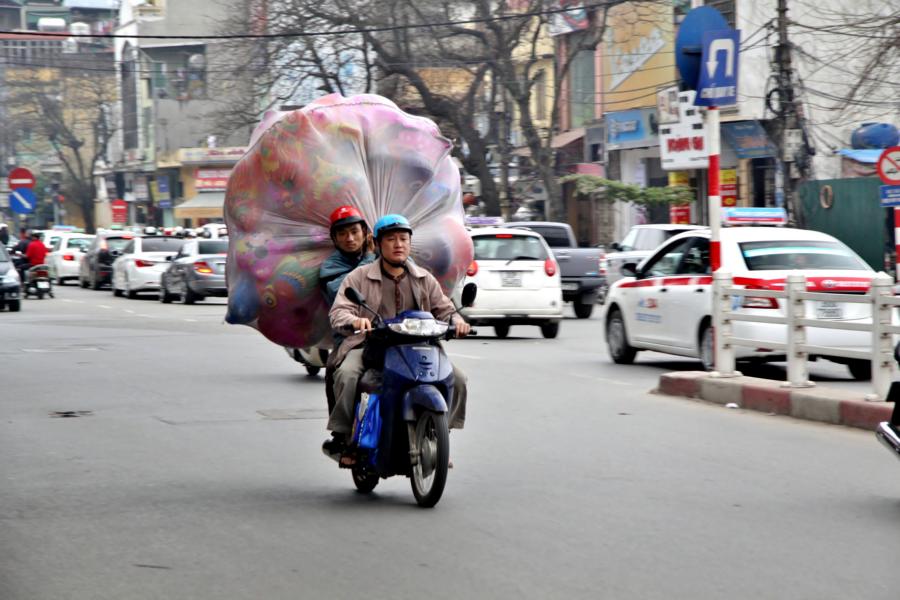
(364, 479)
(429, 475)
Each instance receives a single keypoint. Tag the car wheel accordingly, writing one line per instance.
(583, 311)
(187, 296)
(83, 282)
(550, 330)
(620, 350)
(14, 305)
(60, 280)
(116, 291)
(132, 294)
(861, 370)
(707, 347)
(95, 284)
(501, 331)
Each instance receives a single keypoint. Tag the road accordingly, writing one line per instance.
(195, 472)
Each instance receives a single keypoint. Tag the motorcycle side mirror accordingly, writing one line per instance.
(616, 246)
(470, 290)
(170, 258)
(354, 296)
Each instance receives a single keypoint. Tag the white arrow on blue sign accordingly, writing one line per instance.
(718, 83)
(890, 195)
(22, 201)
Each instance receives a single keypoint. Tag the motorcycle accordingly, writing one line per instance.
(413, 391)
(888, 432)
(35, 280)
(313, 359)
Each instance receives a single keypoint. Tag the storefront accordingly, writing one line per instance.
(204, 177)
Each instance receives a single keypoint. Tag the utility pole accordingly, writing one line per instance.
(791, 142)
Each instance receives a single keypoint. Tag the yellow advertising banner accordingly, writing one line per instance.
(679, 178)
(639, 54)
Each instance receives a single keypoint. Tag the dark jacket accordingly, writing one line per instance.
(335, 268)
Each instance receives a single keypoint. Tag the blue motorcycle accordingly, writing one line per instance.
(401, 425)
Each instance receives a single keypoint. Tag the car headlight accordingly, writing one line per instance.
(420, 327)
(11, 276)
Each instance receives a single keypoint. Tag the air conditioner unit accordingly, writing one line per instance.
(51, 24)
(80, 28)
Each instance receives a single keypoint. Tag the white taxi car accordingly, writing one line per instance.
(665, 303)
(66, 250)
(518, 281)
(140, 264)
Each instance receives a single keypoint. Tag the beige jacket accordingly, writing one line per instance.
(367, 281)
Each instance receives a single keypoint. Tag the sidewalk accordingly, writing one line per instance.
(826, 405)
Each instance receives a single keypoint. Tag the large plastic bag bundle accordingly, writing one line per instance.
(301, 165)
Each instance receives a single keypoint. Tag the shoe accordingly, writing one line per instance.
(335, 446)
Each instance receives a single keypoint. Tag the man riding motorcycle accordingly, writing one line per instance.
(391, 285)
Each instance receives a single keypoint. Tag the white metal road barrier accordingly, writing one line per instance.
(880, 298)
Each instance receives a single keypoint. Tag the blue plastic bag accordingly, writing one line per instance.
(367, 424)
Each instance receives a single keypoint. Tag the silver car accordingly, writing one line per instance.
(197, 271)
(640, 243)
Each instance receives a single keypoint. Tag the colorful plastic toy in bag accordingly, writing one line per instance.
(301, 165)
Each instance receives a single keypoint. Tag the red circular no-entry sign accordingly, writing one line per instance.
(888, 166)
(20, 177)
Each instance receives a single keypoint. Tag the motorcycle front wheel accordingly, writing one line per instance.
(364, 479)
(429, 474)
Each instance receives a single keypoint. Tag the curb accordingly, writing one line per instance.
(822, 404)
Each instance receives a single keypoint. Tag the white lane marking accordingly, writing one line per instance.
(146, 316)
(603, 379)
(67, 300)
(131, 312)
(191, 320)
(104, 306)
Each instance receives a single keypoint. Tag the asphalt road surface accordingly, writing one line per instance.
(193, 470)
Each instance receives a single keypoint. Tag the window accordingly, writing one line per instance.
(668, 262)
(80, 243)
(508, 247)
(581, 83)
(213, 247)
(556, 237)
(161, 244)
(696, 259)
(800, 255)
(649, 239)
(118, 243)
(540, 92)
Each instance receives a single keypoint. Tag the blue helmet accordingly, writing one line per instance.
(391, 223)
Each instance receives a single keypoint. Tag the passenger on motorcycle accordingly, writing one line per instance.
(353, 245)
(36, 250)
(390, 285)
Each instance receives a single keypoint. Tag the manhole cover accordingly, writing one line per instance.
(282, 414)
(68, 414)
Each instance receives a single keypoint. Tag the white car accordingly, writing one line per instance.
(667, 305)
(66, 250)
(640, 243)
(518, 281)
(141, 263)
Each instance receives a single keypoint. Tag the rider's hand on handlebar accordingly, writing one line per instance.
(463, 329)
(362, 324)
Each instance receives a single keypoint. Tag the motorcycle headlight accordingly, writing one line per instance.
(420, 327)
(11, 276)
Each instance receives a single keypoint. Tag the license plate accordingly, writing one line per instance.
(569, 287)
(829, 310)
(511, 278)
(43, 285)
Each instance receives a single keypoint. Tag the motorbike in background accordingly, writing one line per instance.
(37, 282)
(888, 432)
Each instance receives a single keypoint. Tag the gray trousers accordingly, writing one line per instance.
(347, 375)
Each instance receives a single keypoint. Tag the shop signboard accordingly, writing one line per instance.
(208, 180)
(634, 128)
(140, 188)
(119, 211)
(565, 21)
(682, 145)
(728, 186)
(201, 156)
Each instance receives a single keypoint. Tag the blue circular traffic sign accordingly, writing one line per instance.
(22, 201)
(689, 42)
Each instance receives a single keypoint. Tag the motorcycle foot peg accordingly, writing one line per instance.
(335, 457)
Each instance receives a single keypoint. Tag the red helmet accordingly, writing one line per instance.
(345, 215)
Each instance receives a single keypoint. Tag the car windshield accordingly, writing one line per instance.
(213, 247)
(161, 244)
(790, 255)
(506, 246)
(80, 243)
(117, 243)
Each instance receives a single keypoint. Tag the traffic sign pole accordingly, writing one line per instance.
(714, 188)
(897, 241)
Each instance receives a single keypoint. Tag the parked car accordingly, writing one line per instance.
(95, 269)
(582, 281)
(66, 251)
(10, 283)
(140, 264)
(640, 243)
(665, 304)
(518, 281)
(197, 271)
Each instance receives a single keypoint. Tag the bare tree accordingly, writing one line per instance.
(66, 108)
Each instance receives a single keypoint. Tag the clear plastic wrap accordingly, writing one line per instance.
(362, 151)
